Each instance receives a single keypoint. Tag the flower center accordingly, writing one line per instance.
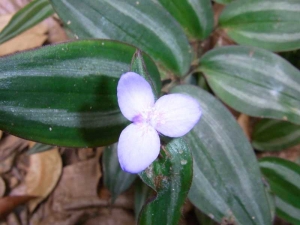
(149, 116)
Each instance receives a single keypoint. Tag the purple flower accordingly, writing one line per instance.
(172, 115)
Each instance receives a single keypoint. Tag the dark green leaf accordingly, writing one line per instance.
(33, 13)
(138, 65)
(269, 24)
(287, 212)
(115, 179)
(142, 23)
(38, 147)
(170, 176)
(66, 94)
(226, 178)
(254, 81)
(274, 135)
(283, 178)
(195, 16)
(141, 193)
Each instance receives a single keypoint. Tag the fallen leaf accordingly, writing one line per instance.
(2, 187)
(244, 121)
(6, 164)
(31, 38)
(42, 176)
(55, 31)
(112, 217)
(77, 187)
(9, 147)
(9, 203)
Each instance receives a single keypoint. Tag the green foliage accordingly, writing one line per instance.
(170, 176)
(254, 81)
(275, 135)
(225, 167)
(195, 16)
(140, 23)
(66, 95)
(269, 24)
(283, 178)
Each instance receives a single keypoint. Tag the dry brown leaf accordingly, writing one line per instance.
(11, 144)
(112, 217)
(12, 219)
(31, 38)
(9, 203)
(2, 187)
(244, 122)
(6, 164)
(43, 174)
(77, 187)
(31, 144)
(55, 31)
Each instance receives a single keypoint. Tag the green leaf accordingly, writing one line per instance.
(195, 16)
(170, 176)
(66, 94)
(114, 178)
(254, 81)
(142, 23)
(141, 193)
(226, 179)
(269, 24)
(138, 65)
(283, 178)
(287, 212)
(33, 13)
(275, 135)
(38, 147)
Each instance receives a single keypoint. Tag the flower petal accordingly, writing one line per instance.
(175, 114)
(138, 147)
(134, 95)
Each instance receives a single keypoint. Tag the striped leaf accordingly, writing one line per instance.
(170, 176)
(254, 81)
(275, 135)
(283, 178)
(269, 24)
(195, 16)
(226, 178)
(33, 13)
(66, 94)
(142, 23)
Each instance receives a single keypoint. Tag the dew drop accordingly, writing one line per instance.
(50, 128)
(180, 151)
